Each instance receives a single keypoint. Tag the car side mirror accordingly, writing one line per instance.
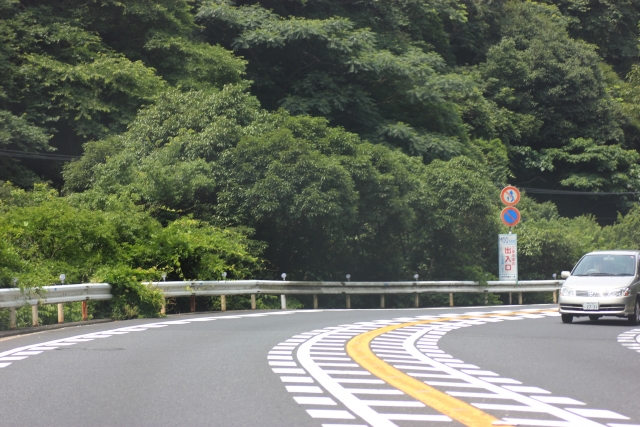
(565, 274)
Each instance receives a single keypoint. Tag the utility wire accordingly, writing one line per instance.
(34, 155)
(578, 193)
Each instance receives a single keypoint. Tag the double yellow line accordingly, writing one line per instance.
(359, 350)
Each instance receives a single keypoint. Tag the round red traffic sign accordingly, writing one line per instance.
(510, 216)
(510, 195)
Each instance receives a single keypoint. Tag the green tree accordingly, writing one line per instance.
(385, 87)
(76, 71)
(45, 235)
(611, 25)
(549, 243)
(571, 132)
(323, 201)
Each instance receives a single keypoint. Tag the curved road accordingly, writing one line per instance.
(480, 366)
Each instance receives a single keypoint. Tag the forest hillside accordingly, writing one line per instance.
(318, 138)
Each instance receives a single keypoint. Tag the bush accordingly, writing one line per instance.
(132, 299)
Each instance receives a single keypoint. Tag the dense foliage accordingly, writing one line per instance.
(317, 138)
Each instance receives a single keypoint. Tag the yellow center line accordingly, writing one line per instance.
(359, 350)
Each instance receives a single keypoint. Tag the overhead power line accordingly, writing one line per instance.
(35, 155)
(578, 193)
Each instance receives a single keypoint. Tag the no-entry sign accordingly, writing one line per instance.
(510, 195)
(510, 216)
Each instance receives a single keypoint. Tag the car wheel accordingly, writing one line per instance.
(567, 318)
(634, 318)
(594, 317)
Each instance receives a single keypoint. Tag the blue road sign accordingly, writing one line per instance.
(510, 216)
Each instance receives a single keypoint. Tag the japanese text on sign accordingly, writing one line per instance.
(508, 256)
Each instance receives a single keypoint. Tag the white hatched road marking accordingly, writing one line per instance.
(414, 350)
(630, 339)
(419, 341)
(11, 356)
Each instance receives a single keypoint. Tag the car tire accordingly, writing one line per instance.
(567, 318)
(634, 318)
(594, 317)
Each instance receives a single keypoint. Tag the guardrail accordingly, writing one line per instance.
(59, 294)
(56, 294)
(223, 288)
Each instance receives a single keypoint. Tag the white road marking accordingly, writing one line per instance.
(395, 403)
(412, 417)
(477, 372)
(541, 423)
(304, 389)
(597, 413)
(336, 337)
(331, 414)
(525, 389)
(372, 391)
(630, 339)
(344, 372)
(350, 425)
(500, 380)
(296, 379)
(289, 371)
(415, 350)
(272, 363)
(357, 381)
(304, 400)
(558, 400)
(520, 408)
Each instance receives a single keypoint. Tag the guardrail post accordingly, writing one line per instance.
(283, 302)
(13, 323)
(555, 297)
(34, 315)
(417, 300)
(60, 313)
(253, 301)
(223, 303)
(520, 298)
(451, 300)
(85, 311)
(315, 302)
(348, 301)
(510, 300)
(192, 303)
(382, 301)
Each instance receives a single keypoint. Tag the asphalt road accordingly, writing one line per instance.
(307, 368)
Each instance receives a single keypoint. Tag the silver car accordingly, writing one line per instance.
(603, 283)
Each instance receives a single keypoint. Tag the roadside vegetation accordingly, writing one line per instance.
(314, 138)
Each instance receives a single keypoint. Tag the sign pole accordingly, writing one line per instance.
(508, 243)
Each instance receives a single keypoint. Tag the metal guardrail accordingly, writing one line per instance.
(277, 287)
(14, 297)
(223, 288)
(57, 294)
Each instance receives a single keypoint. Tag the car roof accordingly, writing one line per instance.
(615, 252)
